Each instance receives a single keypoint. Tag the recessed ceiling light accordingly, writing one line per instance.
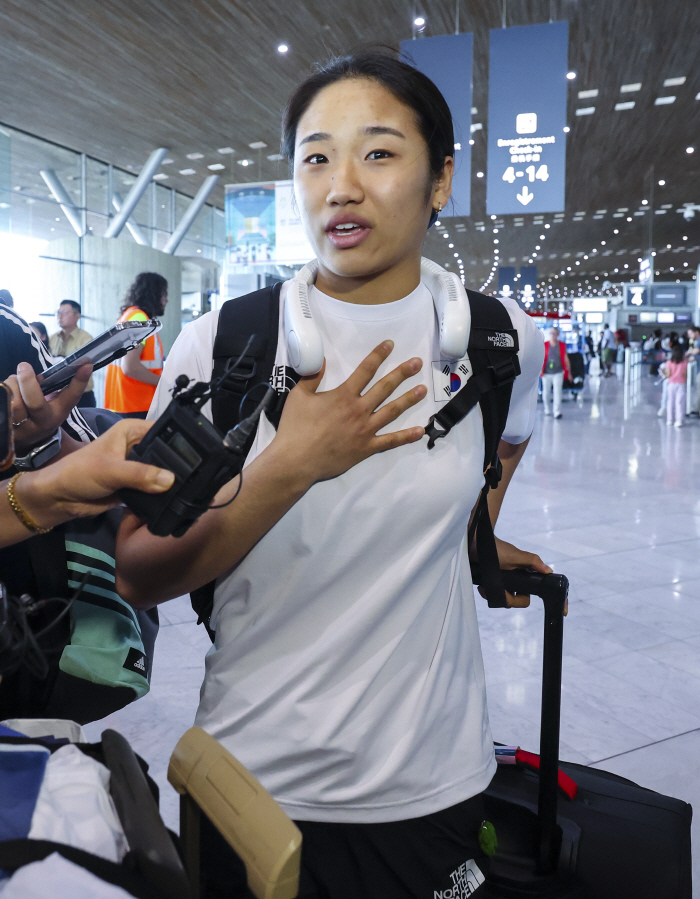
(216, 166)
(257, 145)
(167, 162)
(586, 110)
(479, 174)
(690, 149)
(566, 129)
(161, 176)
(571, 75)
(275, 157)
(226, 150)
(664, 101)
(282, 48)
(674, 82)
(629, 104)
(631, 88)
(195, 155)
(662, 183)
(244, 162)
(588, 95)
(187, 172)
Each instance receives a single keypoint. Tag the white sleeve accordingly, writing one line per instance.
(523, 401)
(192, 355)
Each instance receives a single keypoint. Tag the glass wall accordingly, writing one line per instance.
(30, 217)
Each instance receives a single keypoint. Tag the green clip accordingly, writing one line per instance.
(488, 841)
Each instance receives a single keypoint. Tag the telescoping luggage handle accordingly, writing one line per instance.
(553, 590)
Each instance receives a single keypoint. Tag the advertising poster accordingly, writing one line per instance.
(263, 225)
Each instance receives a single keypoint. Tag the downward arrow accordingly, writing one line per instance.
(525, 196)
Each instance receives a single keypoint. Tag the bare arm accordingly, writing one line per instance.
(82, 484)
(320, 436)
(134, 368)
(510, 556)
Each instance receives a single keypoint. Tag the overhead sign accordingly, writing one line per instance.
(447, 61)
(590, 304)
(527, 285)
(669, 296)
(527, 117)
(263, 225)
(646, 270)
(506, 282)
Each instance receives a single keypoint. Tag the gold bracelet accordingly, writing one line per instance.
(23, 516)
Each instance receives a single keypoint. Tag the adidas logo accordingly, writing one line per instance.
(501, 340)
(140, 664)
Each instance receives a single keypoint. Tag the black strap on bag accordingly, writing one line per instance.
(254, 315)
(493, 354)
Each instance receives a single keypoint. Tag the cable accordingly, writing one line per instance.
(228, 503)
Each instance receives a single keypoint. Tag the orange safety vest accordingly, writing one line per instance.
(125, 394)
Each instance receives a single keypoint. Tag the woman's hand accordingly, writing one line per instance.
(510, 556)
(86, 482)
(34, 418)
(325, 434)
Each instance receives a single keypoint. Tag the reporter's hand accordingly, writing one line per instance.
(510, 556)
(35, 418)
(325, 434)
(85, 482)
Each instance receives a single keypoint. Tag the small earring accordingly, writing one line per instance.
(439, 209)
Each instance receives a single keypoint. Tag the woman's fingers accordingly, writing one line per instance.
(392, 410)
(384, 388)
(396, 438)
(368, 368)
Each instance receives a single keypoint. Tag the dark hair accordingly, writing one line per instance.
(74, 306)
(677, 353)
(6, 299)
(407, 84)
(41, 328)
(147, 293)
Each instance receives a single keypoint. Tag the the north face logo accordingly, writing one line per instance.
(500, 339)
(466, 880)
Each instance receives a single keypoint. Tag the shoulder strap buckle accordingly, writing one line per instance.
(505, 369)
(494, 473)
(434, 432)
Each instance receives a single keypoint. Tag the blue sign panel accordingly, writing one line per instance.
(447, 61)
(527, 285)
(527, 117)
(506, 281)
(669, 296)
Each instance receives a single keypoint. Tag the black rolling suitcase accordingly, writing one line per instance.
(569, 830)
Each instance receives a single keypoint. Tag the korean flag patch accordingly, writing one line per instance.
(449, 378)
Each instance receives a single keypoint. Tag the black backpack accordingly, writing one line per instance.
(493, 348)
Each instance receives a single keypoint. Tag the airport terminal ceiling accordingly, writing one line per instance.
(117, 78)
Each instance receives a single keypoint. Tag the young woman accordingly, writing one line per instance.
(676, 370)
(347, 672)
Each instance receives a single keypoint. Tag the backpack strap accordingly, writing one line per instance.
(493, 354)
(254, 315)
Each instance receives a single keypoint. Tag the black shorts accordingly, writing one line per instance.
(433, 857)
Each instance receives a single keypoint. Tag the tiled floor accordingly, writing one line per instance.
(613, 504)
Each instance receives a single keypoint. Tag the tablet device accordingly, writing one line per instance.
(110, 345)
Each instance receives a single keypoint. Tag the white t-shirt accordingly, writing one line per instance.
(347, 671)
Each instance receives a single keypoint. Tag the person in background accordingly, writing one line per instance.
(694, 353)
(652, 345)
(676, 370)
(556, 366)
(39, 329)
(69, 339)
(6, 299)
(608, 350)
(131, 383)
